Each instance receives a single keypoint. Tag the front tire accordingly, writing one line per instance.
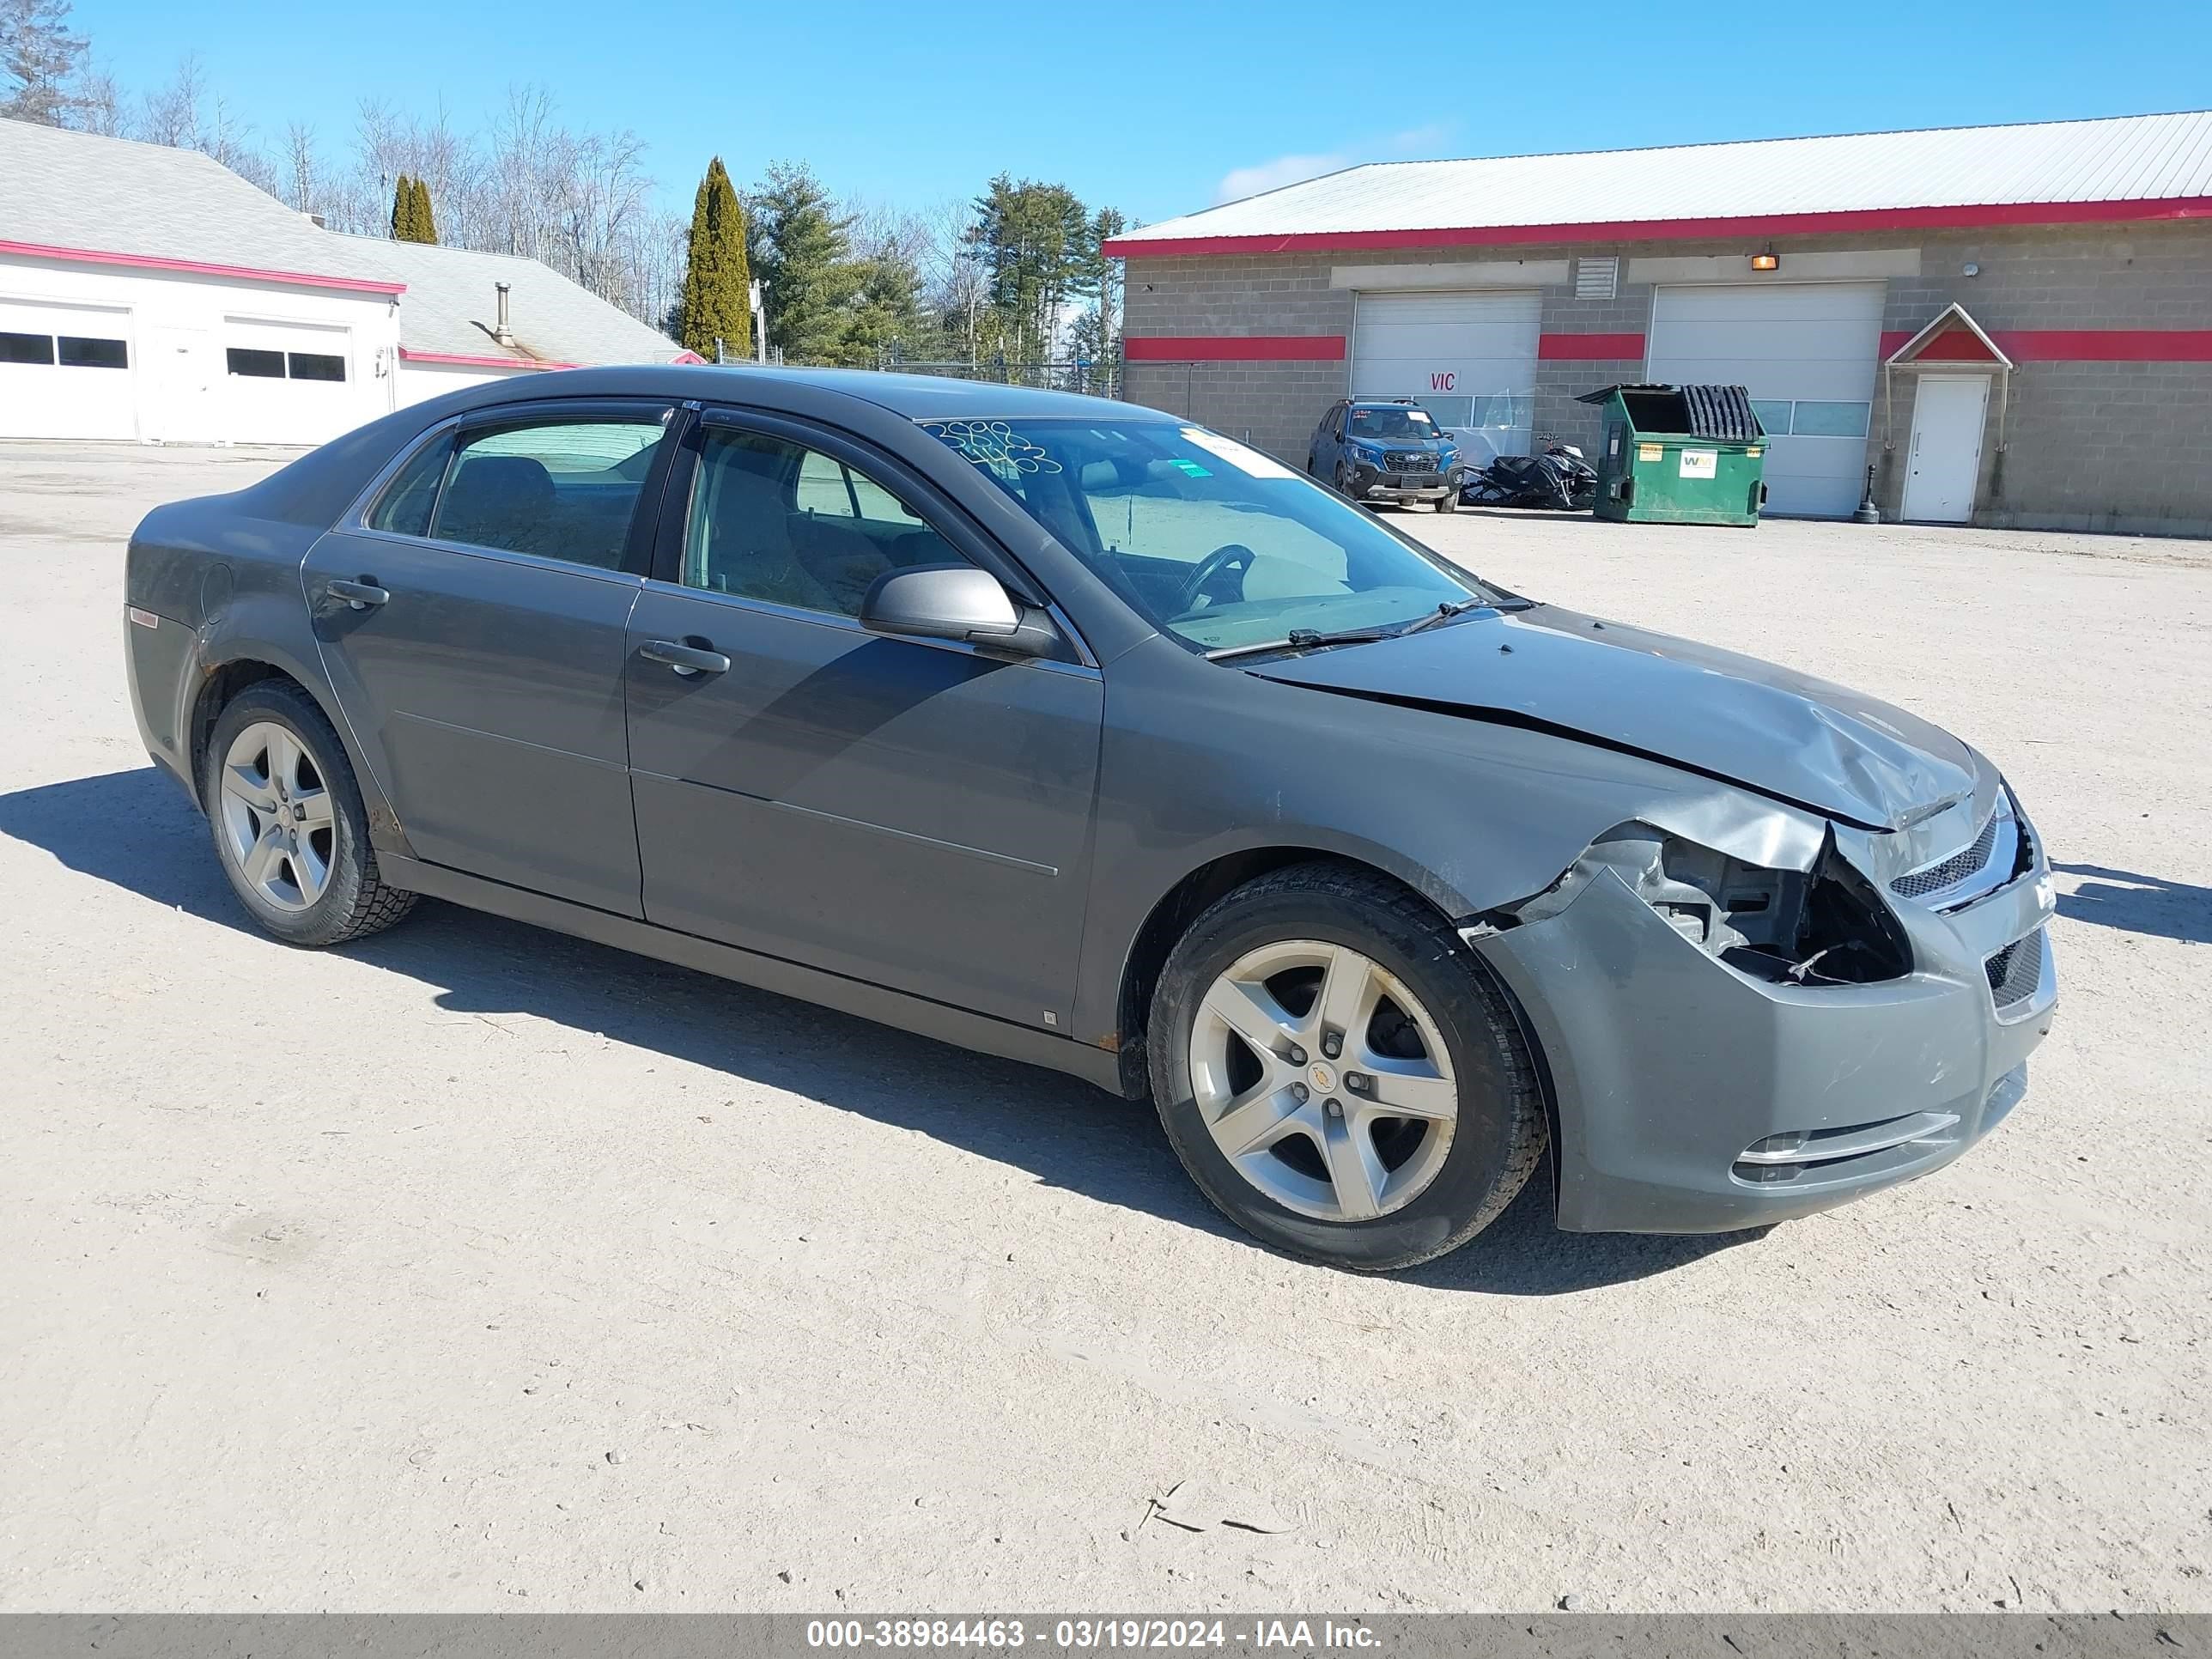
(1338, 1074)
(291, 831)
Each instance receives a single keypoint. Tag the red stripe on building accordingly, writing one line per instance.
(198, 268)
(1659, 230)
(1590, 347)
(469, 360)
(1233, 347)
(2066, 345)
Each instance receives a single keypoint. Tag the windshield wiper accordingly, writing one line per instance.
(1444, 613)
(1305, 638)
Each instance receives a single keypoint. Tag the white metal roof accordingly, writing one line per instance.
(2125, 159)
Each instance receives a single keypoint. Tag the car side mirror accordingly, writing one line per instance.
(954, 602)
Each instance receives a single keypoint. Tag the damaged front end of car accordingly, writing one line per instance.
(1752, 1013)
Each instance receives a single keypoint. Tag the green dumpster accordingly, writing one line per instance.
(1680, 455)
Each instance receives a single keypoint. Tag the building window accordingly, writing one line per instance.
(79, 351)
(256, 365)
(316, 366)
(1831, 420)
(27, 347)
(1812, 418)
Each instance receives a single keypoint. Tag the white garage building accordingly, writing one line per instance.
(150, 294)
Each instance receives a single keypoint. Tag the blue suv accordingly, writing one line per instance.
(1386, 449)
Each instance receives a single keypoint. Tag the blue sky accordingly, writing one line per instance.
(1162, 109)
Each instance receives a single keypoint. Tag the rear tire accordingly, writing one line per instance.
(290, 829)
(1304, 1153)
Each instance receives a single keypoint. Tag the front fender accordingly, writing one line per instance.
(1200, 762)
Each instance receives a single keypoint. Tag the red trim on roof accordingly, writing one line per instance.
(2066, 345)
(200, 268)
(465, 360)
(1233, 347)
(1590, 347)
(1660, 230)
(686, 358)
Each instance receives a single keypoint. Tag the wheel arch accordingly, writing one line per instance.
(1171, 915)
(250, 663)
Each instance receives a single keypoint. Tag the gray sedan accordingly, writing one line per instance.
(1075, 732)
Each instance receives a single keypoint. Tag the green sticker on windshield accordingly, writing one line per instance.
(1191, 469)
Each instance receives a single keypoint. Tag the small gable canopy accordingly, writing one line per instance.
(1952, 340)
(1952, 337)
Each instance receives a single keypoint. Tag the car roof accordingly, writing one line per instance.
(910, 397)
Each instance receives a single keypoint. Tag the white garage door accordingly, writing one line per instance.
(1470, 358)
(1808, 352)
(65, 372)
(288, 383)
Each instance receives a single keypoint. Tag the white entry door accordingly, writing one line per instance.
(1945, 458)
(180, 368)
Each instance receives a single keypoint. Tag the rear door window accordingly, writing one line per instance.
(560, 488)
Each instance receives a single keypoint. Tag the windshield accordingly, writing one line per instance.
(1217, 544)
(1388, 422)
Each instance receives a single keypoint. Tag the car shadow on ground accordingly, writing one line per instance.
(135, 830)
(2138, 904)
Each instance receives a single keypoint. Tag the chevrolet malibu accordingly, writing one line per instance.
(1074, 732)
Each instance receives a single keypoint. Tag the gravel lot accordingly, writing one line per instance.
(472, 1264)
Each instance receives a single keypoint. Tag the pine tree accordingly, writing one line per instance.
(38, 57)
(717, 303)
(806, 266)
(426, 226)
(402, 209)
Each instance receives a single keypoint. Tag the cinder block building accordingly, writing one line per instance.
(2011, 326)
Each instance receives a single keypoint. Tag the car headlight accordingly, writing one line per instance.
(1824, 926)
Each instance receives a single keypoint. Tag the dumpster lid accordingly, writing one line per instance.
(1720, 414)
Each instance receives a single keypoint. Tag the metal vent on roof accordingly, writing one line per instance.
(1596, 279)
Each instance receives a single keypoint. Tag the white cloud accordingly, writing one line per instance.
(1241, 182)
(1236, 185)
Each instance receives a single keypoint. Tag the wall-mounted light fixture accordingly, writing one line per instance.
(1767, 259)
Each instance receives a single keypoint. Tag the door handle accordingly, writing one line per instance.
(359, 595)
(685, 660)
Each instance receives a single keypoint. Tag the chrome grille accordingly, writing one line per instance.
(1954, 869)
(2002, 852)
(1410, 460)
(2015, 973)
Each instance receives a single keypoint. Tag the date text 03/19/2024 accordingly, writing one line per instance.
(1082, 1635)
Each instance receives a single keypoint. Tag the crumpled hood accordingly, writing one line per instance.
(1787, 735)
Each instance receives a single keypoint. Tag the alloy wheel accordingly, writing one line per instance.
(1323, 1080)
(278, 827)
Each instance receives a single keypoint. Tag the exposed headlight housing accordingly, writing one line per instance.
(1824, 926)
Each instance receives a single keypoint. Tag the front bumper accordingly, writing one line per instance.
(1693, 1098)
(1371, 484)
